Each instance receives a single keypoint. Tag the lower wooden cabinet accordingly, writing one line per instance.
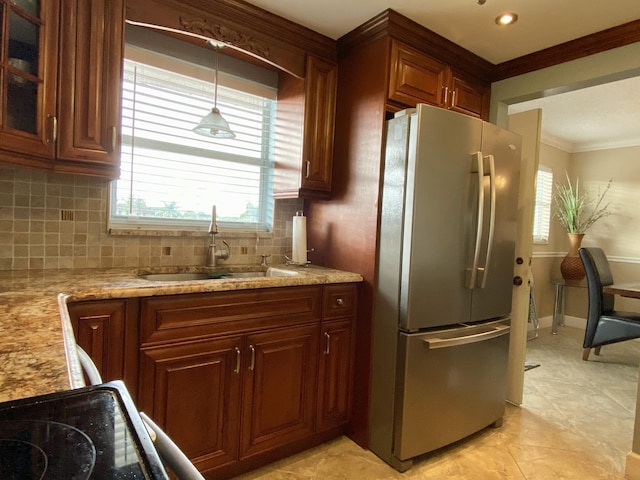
(336, 366)
(279, 388)
(192, 390)
(234, 378)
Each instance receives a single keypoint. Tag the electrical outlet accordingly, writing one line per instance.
(244, 250)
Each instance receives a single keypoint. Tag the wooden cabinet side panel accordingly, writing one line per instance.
(289, 136)
(279, 388)
(193, 392)
(91, 45)
(336, 366)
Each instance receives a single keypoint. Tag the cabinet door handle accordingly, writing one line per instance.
(327, 349)
(252, 363)
(54, 129)
(237, 369)
(446, 95)
(339, 302)
(453, 98)
(308, 169)
(114, 138)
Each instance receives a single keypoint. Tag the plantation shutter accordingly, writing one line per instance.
(542, 212)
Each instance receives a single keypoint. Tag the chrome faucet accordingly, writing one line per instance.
(213, 254)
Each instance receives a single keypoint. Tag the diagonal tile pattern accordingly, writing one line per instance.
(576, 422)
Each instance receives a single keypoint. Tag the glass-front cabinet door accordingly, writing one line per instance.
(28, 73)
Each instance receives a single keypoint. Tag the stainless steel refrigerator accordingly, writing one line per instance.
(444, 281)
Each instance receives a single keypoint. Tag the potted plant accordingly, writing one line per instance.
(577, 212)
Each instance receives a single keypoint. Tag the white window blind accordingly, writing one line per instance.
(542, 212)
(171, 176)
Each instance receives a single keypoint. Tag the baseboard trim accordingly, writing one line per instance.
(632, 467)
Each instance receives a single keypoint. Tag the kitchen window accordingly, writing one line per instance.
(542, 212)
(171, 176)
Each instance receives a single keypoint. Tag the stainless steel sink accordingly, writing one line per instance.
(181, 277)
(186, 276)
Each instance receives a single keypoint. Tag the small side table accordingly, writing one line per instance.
(558, 307)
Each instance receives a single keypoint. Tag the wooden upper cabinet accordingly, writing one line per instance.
(320, 109)
(29, 66)
(305, 131)
(91, 45)
(61, 100)
(415, 77)
(469, 96)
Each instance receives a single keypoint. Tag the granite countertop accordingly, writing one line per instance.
(36, 338)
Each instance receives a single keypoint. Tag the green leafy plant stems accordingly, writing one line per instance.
(571, 207)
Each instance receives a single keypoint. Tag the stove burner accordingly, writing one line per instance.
(21, 460)
(43, 450)
(92, 433)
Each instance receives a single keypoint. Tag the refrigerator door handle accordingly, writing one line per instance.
(492, 219)
(479, 169)
(493, 332)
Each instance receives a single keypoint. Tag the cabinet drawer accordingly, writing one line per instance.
(339, 300)
(178, 317)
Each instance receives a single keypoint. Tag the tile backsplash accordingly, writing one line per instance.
(50, 221)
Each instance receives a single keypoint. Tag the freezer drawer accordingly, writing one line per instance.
(452, 383)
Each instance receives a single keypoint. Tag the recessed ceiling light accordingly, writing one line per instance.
(507, 18)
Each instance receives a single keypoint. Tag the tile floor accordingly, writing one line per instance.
(576, 422)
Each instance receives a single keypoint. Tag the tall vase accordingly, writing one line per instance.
(571, 267)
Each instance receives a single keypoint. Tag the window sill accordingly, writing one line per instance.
(139, 232)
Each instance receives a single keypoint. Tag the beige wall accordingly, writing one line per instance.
(618, 234)
(34, 236)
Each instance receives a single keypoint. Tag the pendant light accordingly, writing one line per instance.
(213, 124)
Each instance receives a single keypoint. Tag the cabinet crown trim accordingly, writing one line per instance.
(225, 34)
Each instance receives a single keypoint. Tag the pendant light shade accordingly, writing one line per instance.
(213, 124)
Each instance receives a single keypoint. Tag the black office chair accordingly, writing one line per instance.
(604, 324)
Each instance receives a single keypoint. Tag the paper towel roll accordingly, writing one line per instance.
(299, 255)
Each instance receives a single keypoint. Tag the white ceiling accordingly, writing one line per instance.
(607, 115)
(595, 118)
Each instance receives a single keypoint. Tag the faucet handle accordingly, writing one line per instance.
(263, 263)
(224, 255)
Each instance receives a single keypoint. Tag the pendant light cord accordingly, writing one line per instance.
(215, 88)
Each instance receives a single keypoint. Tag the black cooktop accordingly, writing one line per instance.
(89, 433)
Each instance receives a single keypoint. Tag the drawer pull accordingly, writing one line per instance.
(339, 302)
(237, 369)
(327, 349)
(252, 363)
